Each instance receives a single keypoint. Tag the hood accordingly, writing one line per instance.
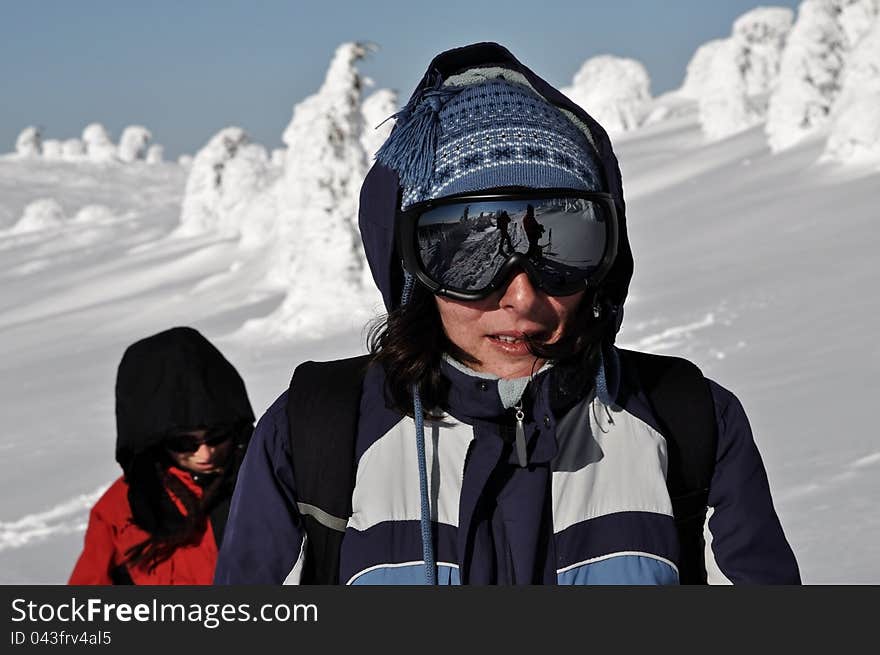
(380, 193)
(174, 379)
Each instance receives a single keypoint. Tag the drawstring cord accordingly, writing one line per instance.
(427, 535)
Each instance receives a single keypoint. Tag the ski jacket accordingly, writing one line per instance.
(590, 507)
(111, 532)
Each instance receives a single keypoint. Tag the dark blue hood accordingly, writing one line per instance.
(380, 193)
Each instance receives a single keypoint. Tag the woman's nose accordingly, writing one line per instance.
(519, 294)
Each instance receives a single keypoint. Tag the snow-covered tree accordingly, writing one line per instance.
(812, 67)
(225, 175)
(318, 193)
(613, 90)
(155, 154)
(724, 104)
(761, 35)
(41, 214)
(376, 108)
(73, 149)
(29, 142)
(700, 68)
(731, 78)
(855, 131)
(133, 143)
(52, 149)
(97, 142)
(317, 252)
(185, 160)
(278, 157)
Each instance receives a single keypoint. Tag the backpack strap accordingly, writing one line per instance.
(323, 405)
(682, 402)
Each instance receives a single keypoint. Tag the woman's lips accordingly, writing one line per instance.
(513, 343)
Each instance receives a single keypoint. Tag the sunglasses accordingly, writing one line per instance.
(187, 443)
(466, 246)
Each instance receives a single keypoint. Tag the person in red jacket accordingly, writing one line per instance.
(183, 420)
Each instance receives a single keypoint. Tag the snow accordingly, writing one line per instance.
(133, 143)
(52, 149)
(758, 266)
(225, 175)
(731, 78)
(614, 90)
(812, 67)
(377, 109)
(29, 142)
(72, 149)
(155, 154)
(42, 214)
(762, 34)
(855, 131)
(97, 142)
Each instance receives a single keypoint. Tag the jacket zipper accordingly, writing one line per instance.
(521, 451)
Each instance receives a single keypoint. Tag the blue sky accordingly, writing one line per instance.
(186, 69)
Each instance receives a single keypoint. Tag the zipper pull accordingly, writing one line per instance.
(521, 453)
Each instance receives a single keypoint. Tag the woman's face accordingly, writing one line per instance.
(491, 329)
(203, 458)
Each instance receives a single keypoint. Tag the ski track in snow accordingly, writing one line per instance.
(71, 516)
(672, 337)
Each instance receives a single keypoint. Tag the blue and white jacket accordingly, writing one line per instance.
(591, 506)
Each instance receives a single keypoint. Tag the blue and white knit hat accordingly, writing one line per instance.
(494, 133)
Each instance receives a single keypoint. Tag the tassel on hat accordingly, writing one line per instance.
(410, 149)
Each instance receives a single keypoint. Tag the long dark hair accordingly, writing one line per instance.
(152, 490)
(409, 342)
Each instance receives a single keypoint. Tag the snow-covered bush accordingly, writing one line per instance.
(155, 154)
(225, 176)
(185, 160)
(41, 214)
(29, 142)
(97, 142)
(52, 149)
(72, 149)
(133, 143)
(94, 214)
(376, 108)
(812, 67)
(855, 131)
(613, 90)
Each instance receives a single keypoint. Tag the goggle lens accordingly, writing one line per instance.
(463, 246)
(187, 443)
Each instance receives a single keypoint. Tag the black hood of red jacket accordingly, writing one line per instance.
(174, 379)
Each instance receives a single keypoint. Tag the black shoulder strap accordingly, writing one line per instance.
(682, 402)
(322, 414)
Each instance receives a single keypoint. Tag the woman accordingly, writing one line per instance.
(183, 421)
(501, 437)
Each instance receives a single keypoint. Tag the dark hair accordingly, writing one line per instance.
(152, 488)
(409, 343)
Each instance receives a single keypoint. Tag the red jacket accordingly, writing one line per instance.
(111, 533)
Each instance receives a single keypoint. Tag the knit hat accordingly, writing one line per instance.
(493, 133)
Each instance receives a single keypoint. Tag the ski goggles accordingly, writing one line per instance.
(187, 443)
(466, 246)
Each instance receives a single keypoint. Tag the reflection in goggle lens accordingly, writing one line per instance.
(463, 246)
